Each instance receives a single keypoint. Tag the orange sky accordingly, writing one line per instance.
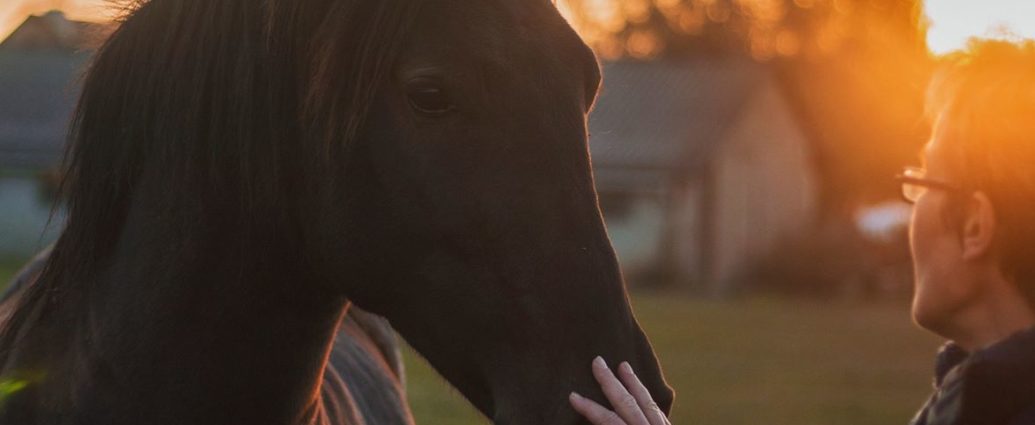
(952, 20)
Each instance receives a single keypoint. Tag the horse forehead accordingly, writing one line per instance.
(499, 35)
(500, 23)
(528, 14)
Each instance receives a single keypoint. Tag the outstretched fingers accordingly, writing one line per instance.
(625, 404)
(632, 401)
(647, 404)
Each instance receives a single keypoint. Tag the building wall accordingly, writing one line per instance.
(635, 230)
(765, 185)
(24, 211)
(686, 231)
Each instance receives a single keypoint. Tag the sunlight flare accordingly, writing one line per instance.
(952, 22)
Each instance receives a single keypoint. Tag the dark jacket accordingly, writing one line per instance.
(993, 386)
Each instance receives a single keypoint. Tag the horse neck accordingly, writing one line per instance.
(187, 321)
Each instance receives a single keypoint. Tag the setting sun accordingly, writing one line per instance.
(954, 21)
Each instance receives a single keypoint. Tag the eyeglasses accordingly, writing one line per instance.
(915, 183)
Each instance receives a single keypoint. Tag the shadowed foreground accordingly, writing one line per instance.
(789, 361)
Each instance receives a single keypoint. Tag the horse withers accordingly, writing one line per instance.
(240, 172)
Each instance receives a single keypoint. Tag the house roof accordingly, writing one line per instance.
(52, 31)
(38, 91)
(654, 118)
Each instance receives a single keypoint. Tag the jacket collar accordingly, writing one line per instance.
(949, 356)
(997, 382)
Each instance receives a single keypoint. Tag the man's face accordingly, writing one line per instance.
(942, 288)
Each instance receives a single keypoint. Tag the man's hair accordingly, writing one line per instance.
(984, 98)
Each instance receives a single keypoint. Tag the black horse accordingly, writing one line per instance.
(240, 171)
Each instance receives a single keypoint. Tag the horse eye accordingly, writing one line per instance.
(430, 99)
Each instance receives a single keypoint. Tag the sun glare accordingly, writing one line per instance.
(954, 21)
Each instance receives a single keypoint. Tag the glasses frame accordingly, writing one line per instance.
(914, 176)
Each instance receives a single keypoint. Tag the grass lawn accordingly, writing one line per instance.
(769, 360)
(773, 361)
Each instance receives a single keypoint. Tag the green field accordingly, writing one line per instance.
(770, 360)
(773, 361)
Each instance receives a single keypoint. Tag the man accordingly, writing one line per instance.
(972, 236)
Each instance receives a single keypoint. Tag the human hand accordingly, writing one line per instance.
(633, 403)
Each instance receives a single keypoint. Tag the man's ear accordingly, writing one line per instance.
(979, 227)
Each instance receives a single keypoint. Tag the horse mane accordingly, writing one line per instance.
(226, 104)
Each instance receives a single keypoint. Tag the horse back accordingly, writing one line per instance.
(363, 382)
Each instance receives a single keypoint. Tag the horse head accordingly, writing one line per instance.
(471, 219)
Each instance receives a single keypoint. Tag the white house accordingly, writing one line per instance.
(701, 167)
